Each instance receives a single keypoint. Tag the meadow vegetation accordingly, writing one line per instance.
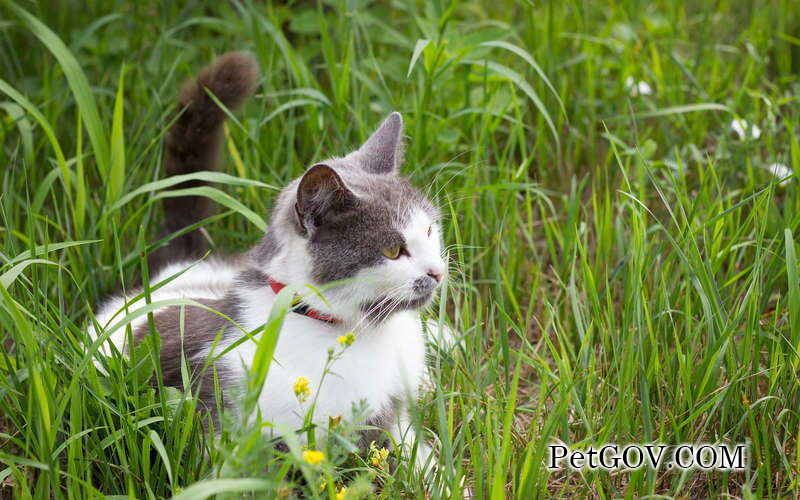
(623, 262)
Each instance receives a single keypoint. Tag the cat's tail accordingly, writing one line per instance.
(193, 144)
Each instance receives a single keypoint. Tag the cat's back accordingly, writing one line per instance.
(207, 282)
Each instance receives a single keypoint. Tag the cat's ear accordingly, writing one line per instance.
(383, 151)
(321, 192)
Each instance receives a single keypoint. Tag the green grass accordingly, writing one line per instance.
(624, 268)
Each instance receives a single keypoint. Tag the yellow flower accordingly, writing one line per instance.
(378, 456)
(347, 339)
(302, 389)
(341, 493)
(313, 457)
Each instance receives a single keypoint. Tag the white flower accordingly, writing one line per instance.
(780, 171)
(637, 88)
(744, 130)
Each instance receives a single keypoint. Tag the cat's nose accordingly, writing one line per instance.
(435, 274)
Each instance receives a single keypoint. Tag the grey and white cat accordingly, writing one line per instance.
(352, 220)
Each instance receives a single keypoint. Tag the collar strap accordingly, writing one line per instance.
(299, 307)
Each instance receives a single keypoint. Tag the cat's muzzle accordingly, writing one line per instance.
(424, 286)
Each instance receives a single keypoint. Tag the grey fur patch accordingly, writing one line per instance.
(383, 151)
(424, 285)
(321, 192)
(349, 209)
(267, 247)
(200, 328)
(345, 241)
(251, 278)
(193, 144)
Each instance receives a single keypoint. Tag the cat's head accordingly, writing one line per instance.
(357, 221)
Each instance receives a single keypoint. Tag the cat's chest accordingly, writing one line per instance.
(382, 363)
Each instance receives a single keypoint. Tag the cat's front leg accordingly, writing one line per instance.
(404, 436)
(425, 460)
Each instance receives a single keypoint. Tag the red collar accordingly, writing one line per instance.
(301, 308)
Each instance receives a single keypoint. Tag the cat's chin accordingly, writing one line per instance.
(383, 307)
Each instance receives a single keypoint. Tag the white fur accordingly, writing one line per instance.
(202, 280)
(386, 360)
(383, 361)
(393, 277)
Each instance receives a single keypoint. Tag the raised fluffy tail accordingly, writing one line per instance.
(193, 144)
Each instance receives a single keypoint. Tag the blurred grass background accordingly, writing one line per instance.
(624, 263)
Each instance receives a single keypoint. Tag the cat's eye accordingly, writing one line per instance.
(430, 228)
(392, 252)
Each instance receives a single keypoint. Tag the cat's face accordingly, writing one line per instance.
(368, 227)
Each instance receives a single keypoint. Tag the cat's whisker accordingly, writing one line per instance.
(351, 221)
(383, 313)
(388, 295)
(390, 300)
(443, 185)
(387, 304)
(453, 246)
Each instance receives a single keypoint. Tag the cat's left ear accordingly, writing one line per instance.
(383, 151)
(321, 192)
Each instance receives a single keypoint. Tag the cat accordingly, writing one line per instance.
(352, 227)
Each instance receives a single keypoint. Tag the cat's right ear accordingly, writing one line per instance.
(383, 151)
(321, 192)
